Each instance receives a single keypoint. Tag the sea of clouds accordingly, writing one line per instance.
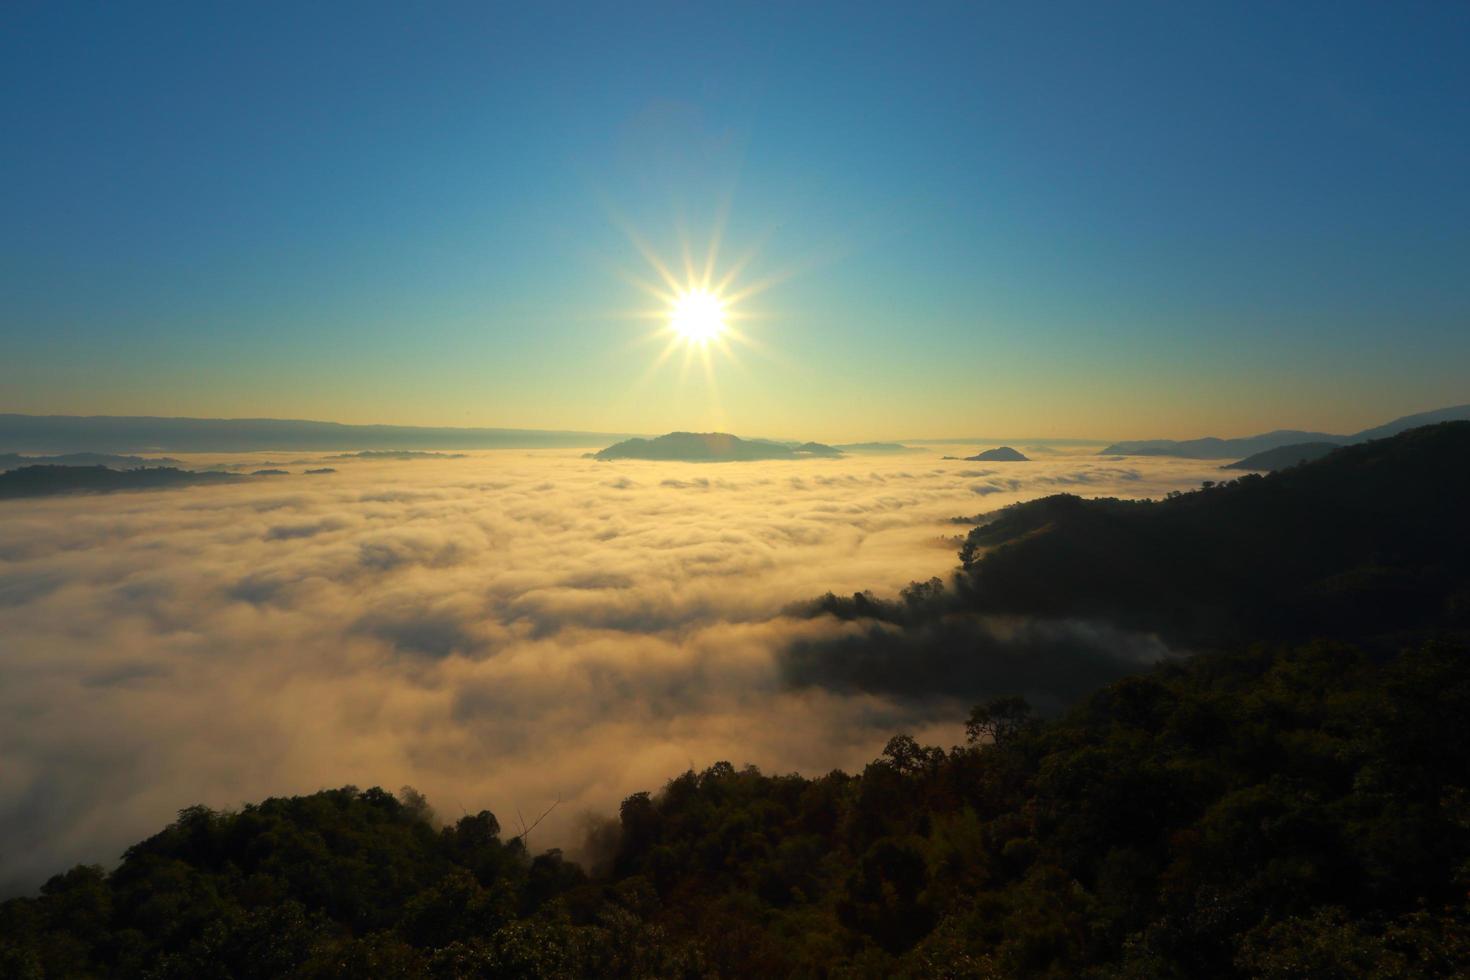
(501, 631)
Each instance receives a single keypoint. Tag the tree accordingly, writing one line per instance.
(999, 719)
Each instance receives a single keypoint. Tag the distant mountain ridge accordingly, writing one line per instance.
(1371, 539)
(14, 461)
(130, 434)
(1211, 447)
(46, 481)
(1000, 454)
(1369, 545)
(1284, 456)
(711, 447)
(875, 447)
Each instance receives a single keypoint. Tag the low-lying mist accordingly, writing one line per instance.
(500, 631)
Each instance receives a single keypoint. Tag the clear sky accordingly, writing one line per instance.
(1090, 220)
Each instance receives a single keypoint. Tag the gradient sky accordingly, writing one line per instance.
(1090, 220)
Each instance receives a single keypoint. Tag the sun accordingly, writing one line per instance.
(701, 312)
(697, 316)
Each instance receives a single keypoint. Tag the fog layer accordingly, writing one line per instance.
(500, 631)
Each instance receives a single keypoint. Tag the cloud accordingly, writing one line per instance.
(498, 631)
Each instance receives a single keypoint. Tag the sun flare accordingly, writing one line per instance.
(698, 316)
(701, 315)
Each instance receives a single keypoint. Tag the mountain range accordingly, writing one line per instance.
(712, 447)
(14, 461)
(1281, 457)
(46, 481)
(1211, 447)
(132, 434)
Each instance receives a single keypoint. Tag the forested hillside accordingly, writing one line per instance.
(1285, 813)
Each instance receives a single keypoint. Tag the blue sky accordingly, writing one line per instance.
(1120, 220)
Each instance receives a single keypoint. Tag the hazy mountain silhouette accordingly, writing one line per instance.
(817, 449)
(1454, 413)
(1001, 454)
(41, 481)
(114, 433)
(397, 454)
(711, 447)
(875, 447)
(1213, 448)
(13, 461)
(1284, 456)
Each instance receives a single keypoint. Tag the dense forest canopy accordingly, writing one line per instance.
(1295, 804)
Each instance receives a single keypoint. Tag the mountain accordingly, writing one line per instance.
(1211, 447)
(1453, 414)
(709, 447)
(1372, 540)
(397, 454)
(125, 434)
(1214, 448)
(42, 481)
(1055, 596)
(875, 447)
(1001, 454)
(1284, 456)
(14, 461)
(817, 449)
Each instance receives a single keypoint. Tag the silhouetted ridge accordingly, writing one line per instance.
(1213, 448)
(13, 461)
(40, 481)
(1372, 539)
(711, 447)
(1055, 595)
(875, 447)
(1001, 454)
(118, 433)
(1283, 456)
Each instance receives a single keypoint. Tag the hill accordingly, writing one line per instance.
(875, 447)
(1059, 595)
(41, 481)
(1001, 454)
(1372, 540)
(1278, 814)
(1214, 448)
(1283, 456)
(14, 461)
(816, 449)
(1455, 413)
(131, 434)
(708, 447)
(1211, 447)
(397, 454)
